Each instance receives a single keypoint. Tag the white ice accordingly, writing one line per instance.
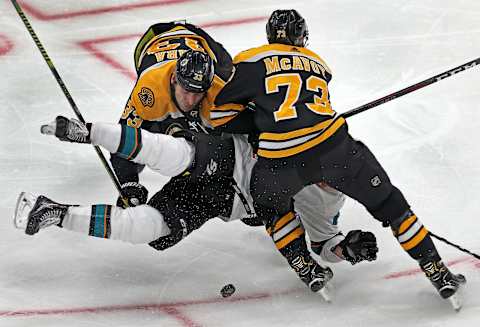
(427, 141)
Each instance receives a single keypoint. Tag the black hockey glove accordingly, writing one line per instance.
(70, 130)
(135, 193)
(358, 246)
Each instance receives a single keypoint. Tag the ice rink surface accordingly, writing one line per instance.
(427, 141)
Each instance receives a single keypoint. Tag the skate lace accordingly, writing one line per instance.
(77, 131)
(50, 217)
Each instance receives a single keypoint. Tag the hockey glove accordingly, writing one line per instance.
(358, 246)
(70, 130)
(135, 193)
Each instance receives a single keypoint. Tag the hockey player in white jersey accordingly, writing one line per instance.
(155, 223)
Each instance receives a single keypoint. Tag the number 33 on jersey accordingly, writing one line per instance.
(289, 86)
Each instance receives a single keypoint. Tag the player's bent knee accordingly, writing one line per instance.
(137, 225)
(393, 207)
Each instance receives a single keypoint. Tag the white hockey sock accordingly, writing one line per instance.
(136, 225)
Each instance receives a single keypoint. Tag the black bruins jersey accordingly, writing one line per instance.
(289, 87)
(150, 105)
(168, 41)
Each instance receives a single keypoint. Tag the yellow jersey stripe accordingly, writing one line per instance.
(261, 52)
(296, 133)
(286, 152)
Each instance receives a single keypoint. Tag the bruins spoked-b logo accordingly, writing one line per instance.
(146, 97)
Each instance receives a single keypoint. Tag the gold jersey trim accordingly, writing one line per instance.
(281, 145)
(259, 53)
(175, 33)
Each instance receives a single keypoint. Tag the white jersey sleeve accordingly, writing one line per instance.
(162, 153)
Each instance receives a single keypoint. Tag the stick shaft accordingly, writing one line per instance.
(412, 88)
(444, 240)
(65, 91)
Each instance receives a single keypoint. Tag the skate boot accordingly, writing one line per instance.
(33, 213)
(315, 276)
(446, 283)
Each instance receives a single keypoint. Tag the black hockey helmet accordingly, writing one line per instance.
(287, 27)
(194, 71)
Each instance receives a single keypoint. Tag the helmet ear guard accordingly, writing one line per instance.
(287, 27)
(194, 71)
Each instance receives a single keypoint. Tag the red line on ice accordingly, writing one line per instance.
(91, 45)
(169, 308)
(416, 271)
(5, 45)
(41, 15)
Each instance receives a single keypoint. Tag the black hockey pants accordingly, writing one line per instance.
(349, 167)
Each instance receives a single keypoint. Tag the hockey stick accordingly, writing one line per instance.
(411, 88)
(62, 85)
(454, 245)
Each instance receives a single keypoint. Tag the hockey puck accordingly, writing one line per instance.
(227, 290)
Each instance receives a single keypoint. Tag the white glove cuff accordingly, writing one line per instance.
(327, 254)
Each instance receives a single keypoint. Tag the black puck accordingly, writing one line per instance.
(227, 290)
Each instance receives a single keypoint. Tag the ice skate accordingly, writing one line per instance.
(446, 283)
(33, 213)
(319, 283)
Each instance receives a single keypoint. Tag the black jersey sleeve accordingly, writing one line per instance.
(232, 103)
(242, 88)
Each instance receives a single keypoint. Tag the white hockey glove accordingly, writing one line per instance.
(358, 246)
(70, 130)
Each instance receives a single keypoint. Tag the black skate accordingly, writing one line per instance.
(33, 213)
(446, 283)
(320, 284)
(70, 130)
(315, 276)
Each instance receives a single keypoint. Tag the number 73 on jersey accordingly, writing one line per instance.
(293, 82)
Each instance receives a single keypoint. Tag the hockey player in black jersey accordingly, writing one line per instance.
(303, 140)
(166, 219)
(164, 100)
(168, 100)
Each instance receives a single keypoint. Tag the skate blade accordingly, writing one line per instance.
(325, 293)
(23, 207)
(456, 300)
